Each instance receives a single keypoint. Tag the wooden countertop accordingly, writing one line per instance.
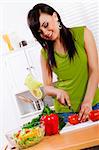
(73, 140)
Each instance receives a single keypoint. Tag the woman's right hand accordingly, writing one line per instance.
(63, 97)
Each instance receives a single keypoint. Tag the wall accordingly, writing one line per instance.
(13, 16)
(73, 13)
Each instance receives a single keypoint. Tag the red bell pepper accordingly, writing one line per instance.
(73, 119)
(51, 122)
(94, 115)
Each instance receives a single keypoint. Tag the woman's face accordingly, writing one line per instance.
(49, 26)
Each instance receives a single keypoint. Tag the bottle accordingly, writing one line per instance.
(8, 42)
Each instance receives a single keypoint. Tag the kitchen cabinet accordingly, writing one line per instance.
(17, 70)
(33, 57)
(22, 62)
(19, 64)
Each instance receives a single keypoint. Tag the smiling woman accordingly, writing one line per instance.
(13, 19)
(48, 30)
(72, 55)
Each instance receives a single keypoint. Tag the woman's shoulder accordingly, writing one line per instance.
(44, 53)
(78, 33)
(77, 28)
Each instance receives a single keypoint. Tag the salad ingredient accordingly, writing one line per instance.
(18, 133)
(51, 122)
(94, 115)
(73, 119)
(36, 121)
(28, 137)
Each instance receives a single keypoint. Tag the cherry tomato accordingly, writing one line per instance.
(73, 119)
(94, 115)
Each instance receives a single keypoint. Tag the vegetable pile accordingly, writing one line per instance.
(93, 116)
(28, 137)
(52, 121)
(47, 123)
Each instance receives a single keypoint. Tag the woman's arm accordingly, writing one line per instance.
(49, 89)
(92, 56)
(47, 77)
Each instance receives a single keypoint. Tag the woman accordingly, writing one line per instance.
(71, 54)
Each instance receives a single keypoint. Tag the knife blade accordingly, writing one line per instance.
(70, 107)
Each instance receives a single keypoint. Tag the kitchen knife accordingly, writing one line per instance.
(70, 107)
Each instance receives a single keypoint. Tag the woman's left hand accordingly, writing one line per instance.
(86, 107)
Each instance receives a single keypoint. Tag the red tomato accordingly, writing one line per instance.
(94, 115)
(73, 119)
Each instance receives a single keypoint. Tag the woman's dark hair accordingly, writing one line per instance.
(65, 34)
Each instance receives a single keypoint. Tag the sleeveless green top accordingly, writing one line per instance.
(72, 76)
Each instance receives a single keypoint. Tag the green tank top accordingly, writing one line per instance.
(72, 76)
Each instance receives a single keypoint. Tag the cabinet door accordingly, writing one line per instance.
(18, 69)
(33, 56)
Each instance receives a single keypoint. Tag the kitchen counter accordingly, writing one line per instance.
(71, 137)
(73, 140)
